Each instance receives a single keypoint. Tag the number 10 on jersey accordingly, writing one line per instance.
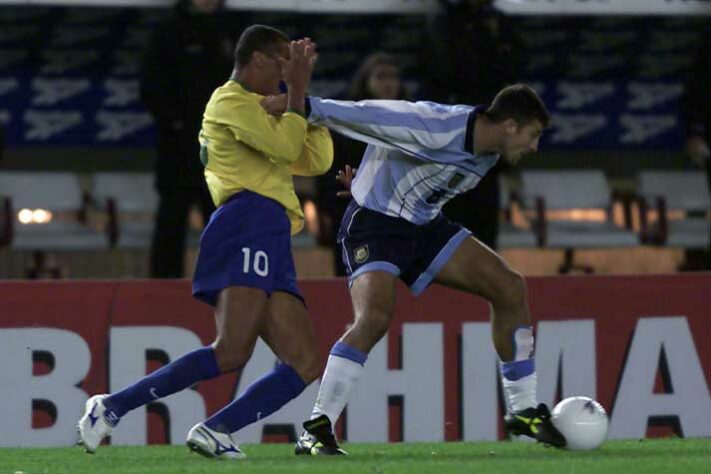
(260, 263)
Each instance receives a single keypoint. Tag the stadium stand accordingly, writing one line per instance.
(668, 192)
(68, 76)
(512, 235)
(130, 202)
(69, 87)
(51, 210)
(562, 201)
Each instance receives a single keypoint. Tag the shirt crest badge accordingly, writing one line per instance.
(361, 254)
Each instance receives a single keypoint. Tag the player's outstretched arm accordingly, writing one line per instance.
(412, 126)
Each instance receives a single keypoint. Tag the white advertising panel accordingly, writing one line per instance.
(303, 6)
(516, 7)
(605, 7)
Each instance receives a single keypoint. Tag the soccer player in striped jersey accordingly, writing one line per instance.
(245, 267)
(419, 156)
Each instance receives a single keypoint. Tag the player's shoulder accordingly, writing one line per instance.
(233, 93)
(231, 98)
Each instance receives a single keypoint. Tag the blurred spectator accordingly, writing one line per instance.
(377, 77)
(2, 143)
(43, 267)
(697, 109)
(4, 208)
(477, 52)
(189, 56)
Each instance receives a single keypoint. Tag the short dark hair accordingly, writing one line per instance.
(261, 38)
(519, 102)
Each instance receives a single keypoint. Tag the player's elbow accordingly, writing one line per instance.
(287, 154)
(323, 158)
(313, 166)
(323, 165)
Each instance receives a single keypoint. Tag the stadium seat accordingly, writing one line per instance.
(573, 209)
(130, 201)
(46, 211)
(510, 235)
(669, 192)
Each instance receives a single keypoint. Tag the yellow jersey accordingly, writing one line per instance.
(244, 148)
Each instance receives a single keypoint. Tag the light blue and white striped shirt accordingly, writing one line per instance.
(419, 155)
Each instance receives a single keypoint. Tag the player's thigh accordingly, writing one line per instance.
(373, 292)
(477, 269)
(289, 332)
(239, 318)
(373, 295)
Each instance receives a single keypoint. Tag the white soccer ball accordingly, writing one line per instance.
(582, 421)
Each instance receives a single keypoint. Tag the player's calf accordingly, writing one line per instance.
(368, 329)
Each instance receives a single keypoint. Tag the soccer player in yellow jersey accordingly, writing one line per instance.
(245, 267)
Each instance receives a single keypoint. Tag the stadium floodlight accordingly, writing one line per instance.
(34, 216)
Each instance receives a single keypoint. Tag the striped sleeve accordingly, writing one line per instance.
(428, 130)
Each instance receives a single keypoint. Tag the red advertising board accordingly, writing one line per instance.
(639, 344)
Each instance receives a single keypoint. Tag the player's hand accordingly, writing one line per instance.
(698, 150)
(346, 177)
(298, 68)
(275, 104)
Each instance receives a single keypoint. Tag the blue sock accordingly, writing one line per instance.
(265, 396)
(169, 379)
(341, 349)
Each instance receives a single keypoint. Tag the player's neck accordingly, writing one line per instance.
(486, 136)
(248, 80)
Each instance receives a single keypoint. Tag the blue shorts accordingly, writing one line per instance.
(373, 241)
(246, 243)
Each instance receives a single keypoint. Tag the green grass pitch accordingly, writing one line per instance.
(649, 456)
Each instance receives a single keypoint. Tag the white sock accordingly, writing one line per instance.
(519, 376)
(520, 394)
(337, 383)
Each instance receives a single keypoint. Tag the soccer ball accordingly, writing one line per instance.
(582, 421)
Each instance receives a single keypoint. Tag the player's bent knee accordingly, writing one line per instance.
(230, 358)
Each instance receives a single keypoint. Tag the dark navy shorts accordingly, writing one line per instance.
(373, 241)
(246, 243)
